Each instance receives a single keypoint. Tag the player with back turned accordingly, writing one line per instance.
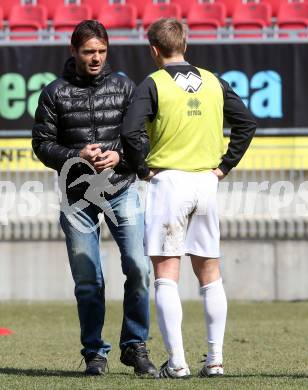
(183, 108)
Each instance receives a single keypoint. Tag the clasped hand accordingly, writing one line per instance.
(100, 160)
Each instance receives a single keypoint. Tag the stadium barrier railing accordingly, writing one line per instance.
(263, 198)
(138, 36)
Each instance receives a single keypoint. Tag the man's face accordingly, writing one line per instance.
(90, 57)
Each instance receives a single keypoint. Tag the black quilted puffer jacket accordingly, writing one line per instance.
(74, 111)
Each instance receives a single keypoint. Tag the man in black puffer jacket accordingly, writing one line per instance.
(79, 115)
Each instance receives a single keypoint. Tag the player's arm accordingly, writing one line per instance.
(123, 166)
(45, 135)
(115, 158)
(133, 135)
(243, 127)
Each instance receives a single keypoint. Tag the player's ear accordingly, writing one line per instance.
(154, 51)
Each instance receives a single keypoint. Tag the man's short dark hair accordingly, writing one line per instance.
(86, 30)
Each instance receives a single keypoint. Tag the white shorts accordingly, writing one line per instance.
(181, 214)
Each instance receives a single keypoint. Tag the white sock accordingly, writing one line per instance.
(169, 317)
(215, 308)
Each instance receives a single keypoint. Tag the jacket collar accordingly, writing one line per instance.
(70, 74)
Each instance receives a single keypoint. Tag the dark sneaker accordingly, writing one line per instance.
(136, 355)
(96, 364)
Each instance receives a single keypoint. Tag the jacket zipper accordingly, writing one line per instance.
(92, 116)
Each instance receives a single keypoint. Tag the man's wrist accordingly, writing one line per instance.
(75, 153)
(143, 172)
(225, 168)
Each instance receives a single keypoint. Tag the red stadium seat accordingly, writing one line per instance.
(230, 5)
(251, 16)
(293, 16)
(140, 5)
(95, 5)
(67, 16)
(117, 16)
(51, 6)
(27, 18)
(1, 18)
(153, 12)
(185, 5)
(206, 16)
(275, 4)
(7, 6)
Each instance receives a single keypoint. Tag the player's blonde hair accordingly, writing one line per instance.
(169, 36)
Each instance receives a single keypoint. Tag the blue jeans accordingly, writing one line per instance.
(85, 261)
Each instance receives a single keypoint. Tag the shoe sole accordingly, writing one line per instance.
(140, 374)
(182, 377)
(212, 370)
(168, 373)
(146, 375)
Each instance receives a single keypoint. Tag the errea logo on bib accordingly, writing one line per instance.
(190, 82)
(193, 104)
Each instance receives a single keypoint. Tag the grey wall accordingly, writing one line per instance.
(254, 270)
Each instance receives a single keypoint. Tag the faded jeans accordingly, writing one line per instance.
(85, 261)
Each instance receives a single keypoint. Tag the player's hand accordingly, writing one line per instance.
(108, 159)
(90, 152)
(151, 174)
(219, 173)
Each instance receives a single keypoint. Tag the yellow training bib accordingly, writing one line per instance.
(187, 132)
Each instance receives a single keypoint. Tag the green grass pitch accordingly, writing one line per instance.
(266, 347)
